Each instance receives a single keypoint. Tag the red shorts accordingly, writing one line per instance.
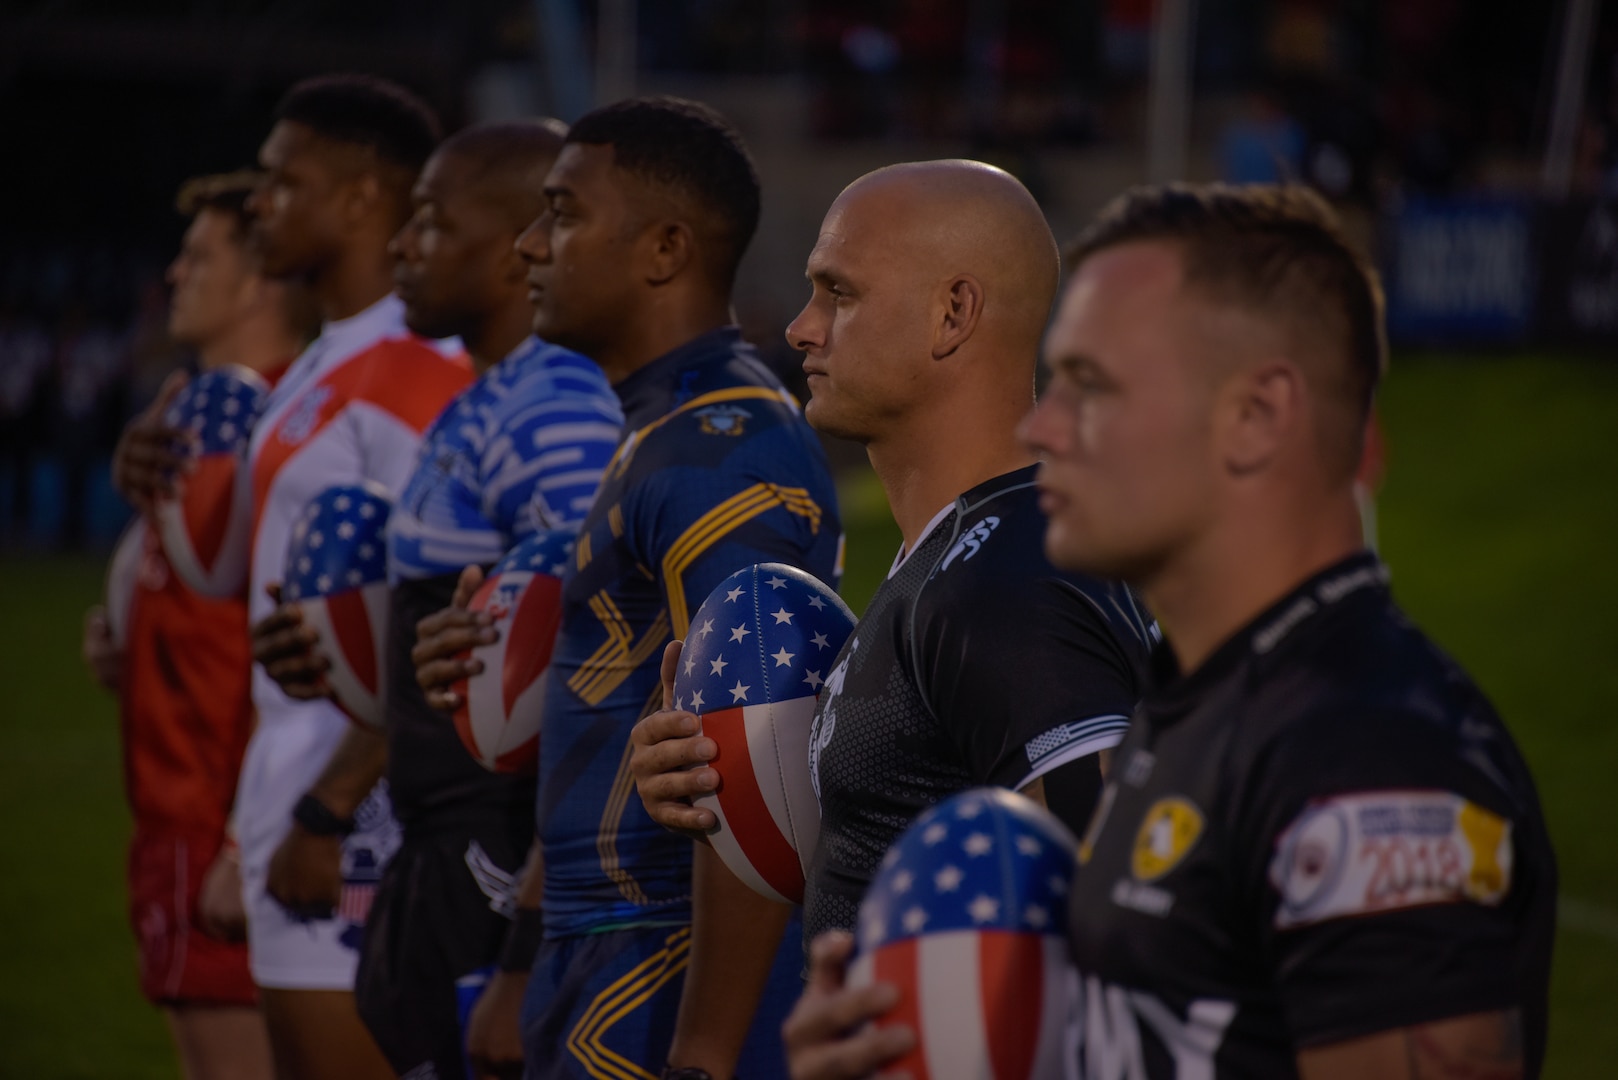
(180, 963)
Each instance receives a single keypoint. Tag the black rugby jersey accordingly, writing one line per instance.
(976, 663)
(1322, 833)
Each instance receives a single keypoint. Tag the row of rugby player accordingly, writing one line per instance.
(1213, 362)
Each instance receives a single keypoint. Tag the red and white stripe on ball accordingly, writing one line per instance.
(969, 997)
(499, 716)
(352, 625)
(769, 820)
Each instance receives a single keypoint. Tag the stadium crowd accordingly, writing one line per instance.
(1309, 847)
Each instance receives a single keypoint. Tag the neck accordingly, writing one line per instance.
(355, 280)
(925, 462)
(501, 331)
(660, 329)
(1206, 595)
(262, 344)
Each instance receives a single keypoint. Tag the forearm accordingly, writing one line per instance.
(735, 934)
(531, 889)
(1483, 1046)
(352, 771)
(526, 933)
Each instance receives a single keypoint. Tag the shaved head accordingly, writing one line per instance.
(940, 219)
(932, 282)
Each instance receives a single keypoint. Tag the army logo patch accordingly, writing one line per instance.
(723, 419)
(1168, 831)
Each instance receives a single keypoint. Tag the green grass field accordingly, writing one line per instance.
(1497, 519)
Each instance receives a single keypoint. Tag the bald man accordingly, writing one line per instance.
(931, 284)
(521, 449)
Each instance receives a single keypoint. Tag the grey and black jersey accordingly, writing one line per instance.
(977, 662)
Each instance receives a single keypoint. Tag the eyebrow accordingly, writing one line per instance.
(819, 273)
(1068, 363)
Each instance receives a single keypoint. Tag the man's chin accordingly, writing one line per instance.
(429, 327)
(825, 420)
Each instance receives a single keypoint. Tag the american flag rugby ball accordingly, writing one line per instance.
(499, 715)
(968, 918)
(758, 651)
(206, 543)
(336, 572)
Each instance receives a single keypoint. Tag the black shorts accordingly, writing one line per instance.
(441, 912)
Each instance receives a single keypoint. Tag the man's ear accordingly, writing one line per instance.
(669, 248)
(962, 307)
(360, 195)
(1260, 413)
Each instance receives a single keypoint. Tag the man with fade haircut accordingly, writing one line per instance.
(1319, 853)
(521, 449)
(339, 164)
(651, 205)
(931, 283)
(180, 665)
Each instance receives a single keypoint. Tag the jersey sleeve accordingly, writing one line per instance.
(700, 525)
(1389, 873)
(1029, 682)
(543, 463)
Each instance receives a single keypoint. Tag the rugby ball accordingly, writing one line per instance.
(967, 917)
(123, 577)
(498, 718)
(758, 651)
(206, 541)
(336, 573)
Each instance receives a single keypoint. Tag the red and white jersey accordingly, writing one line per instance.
(352, 408)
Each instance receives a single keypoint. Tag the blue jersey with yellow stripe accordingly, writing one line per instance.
(718, 470)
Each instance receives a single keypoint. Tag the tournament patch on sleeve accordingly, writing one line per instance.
(1375, 851)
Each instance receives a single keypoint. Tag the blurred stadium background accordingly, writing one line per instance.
(1473, 147)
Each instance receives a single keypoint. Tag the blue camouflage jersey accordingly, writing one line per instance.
(522, 448)
(718, 470)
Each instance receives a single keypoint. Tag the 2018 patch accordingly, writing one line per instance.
(1167, 833)
(1387, 850)
(723, 419)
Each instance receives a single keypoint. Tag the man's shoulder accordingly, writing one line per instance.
(1367, 698)
(996, 559)
(739, 424)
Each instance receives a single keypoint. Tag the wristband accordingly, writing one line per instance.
(318, 820)
(523, 938)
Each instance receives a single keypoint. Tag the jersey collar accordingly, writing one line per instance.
(904, 553)
(989, 489)
(656, 388)
(1264, 636)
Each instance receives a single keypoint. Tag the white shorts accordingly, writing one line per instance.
(287, 753)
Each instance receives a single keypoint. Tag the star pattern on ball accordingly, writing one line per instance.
(338, 544)
(220, 409)
(951, 872)
(750, 642)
